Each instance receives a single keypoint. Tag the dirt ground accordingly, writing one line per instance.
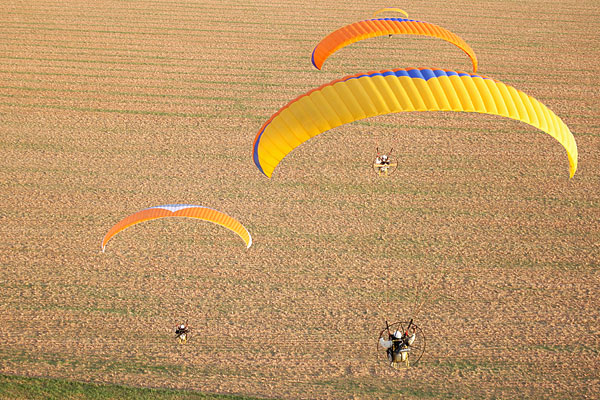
(110, 107)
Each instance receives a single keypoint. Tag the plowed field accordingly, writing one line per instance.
(109, 107)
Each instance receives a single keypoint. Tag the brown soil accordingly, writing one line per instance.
(109, 107)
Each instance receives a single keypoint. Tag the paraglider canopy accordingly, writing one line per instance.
(361, 30)
(374, 93)
(180, 210)
(393, 9)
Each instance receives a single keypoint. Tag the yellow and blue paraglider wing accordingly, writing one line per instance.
(401, 90)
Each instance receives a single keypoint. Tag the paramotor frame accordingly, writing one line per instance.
(414, 351)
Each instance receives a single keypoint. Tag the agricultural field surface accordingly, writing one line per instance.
(109, 107)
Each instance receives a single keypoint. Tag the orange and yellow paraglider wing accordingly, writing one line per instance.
(402, 90)
(136, 218)
(217, 217)
(380, 27)
(180, 210)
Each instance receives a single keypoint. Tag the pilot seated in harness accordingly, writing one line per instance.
(383, 163)
(398, 347)
(181, 332)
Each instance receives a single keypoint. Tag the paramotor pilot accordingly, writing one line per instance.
(181, 332)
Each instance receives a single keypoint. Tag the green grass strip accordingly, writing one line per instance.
(18, 387)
